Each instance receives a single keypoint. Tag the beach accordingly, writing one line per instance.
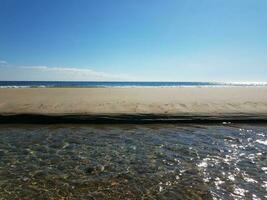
(178, 101)
(133, 142)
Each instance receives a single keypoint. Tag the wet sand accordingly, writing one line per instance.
(184, 101)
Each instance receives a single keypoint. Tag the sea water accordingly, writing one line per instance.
(170, 161)
(25, 84)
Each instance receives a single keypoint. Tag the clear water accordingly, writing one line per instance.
(7, 84)
(133, 161)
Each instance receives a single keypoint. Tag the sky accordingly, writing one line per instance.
(133, 40)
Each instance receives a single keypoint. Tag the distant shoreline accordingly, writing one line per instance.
(103, 105)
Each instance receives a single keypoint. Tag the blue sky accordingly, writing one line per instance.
(143, 40)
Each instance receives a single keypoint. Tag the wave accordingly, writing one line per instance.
(32, 84)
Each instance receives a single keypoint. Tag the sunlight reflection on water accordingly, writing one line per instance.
(133, 161)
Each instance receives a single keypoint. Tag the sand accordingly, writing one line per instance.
(193, 101)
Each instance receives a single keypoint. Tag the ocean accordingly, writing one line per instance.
(156, 161)
(18, 84)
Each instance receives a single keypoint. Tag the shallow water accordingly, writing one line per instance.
(133, 161)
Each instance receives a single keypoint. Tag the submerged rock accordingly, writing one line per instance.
(90, 170)
(95, 169)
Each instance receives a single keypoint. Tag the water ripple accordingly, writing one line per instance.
(225, 161)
